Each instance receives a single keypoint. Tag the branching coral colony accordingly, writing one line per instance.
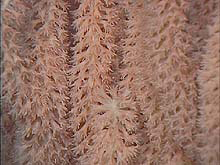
(110, 82)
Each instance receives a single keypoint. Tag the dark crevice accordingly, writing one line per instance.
(73, 5)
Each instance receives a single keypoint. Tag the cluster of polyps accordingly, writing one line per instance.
(123, 92)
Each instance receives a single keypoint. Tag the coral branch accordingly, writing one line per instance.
(209, 79)
(38, 65)
(160, 73)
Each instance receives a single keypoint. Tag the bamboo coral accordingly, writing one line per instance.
(110, 82)
(94, 52)
(113, 138)
(139, 77)
(16, 20)
(162, 75)
(209, 100)
(40, 85)
(176, 73)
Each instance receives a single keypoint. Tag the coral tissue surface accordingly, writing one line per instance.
(110, 82)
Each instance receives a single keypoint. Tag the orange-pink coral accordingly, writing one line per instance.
(110, 82)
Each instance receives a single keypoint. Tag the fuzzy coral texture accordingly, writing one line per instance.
(110, 82)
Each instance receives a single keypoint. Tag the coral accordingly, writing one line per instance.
(16, 22)
(110, 82)
(174, 71)
(38, 85)
(160, 73)
(93, 50)
(93, 57)
(209, 96)
(113, 137)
